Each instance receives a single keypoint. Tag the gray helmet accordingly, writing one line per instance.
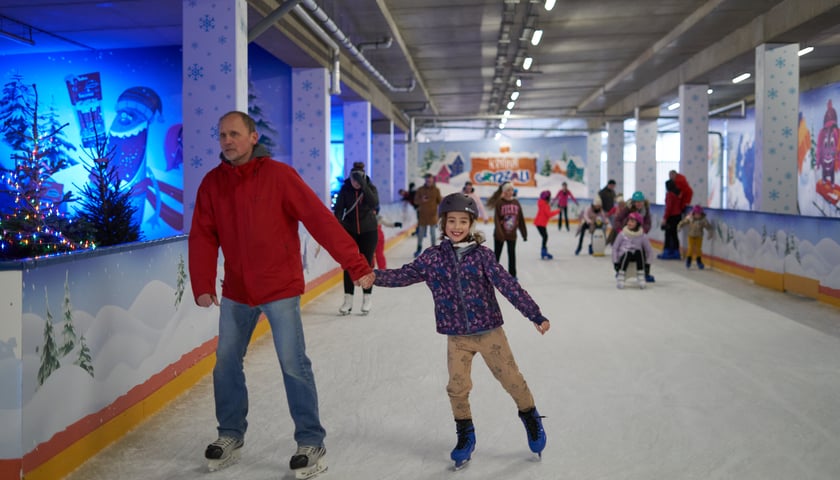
(458, 202)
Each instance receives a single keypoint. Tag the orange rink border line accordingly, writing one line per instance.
(69, 449)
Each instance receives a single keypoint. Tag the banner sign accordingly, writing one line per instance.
(496, 168)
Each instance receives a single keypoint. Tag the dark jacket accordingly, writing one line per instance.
(463, 290)
(356, 209)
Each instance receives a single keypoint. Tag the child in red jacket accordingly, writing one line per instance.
(544, 212)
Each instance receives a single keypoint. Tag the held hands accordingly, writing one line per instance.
(366, 281)
(206, 299)
(543, 327)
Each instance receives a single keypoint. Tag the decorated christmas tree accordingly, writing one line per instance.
(35, 225)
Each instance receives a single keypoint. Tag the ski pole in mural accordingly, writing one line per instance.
(828, 142)
(136, 108)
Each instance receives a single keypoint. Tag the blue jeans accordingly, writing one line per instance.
(421, 232)
(236, 324)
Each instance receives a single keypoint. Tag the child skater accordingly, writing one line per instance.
(507, 219)
(562, 201)
(632, 245)
(544, 212)
(696, 221)
(461, 274)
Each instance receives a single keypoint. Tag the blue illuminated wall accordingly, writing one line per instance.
(133, 97)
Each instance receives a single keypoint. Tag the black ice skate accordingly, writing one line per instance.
(308, 461)
(222, 453)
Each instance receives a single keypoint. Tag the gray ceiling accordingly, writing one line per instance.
(455, 62)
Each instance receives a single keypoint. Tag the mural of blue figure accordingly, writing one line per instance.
(136, 108)
(745, 168)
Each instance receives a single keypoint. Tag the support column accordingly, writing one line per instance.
(400, 166)
(776, 111)
(592, 174)
(383, 159)
(311, 128)
(646, 134)
(215, 81)
(694, 140)
(357, 136)
(615, 154)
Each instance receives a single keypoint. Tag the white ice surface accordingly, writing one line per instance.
(701, 376)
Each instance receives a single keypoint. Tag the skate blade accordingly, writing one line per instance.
(461, 465)
(311, 472)
(218, 464)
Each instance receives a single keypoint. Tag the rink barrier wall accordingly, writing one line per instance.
(746, 225)
(68, 449)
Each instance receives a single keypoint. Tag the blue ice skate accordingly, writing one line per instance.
(462, 453)
(534, 428)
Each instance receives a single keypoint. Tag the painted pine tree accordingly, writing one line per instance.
(181, 281)
(264, 127)
(546, 168)
(69, 330)
(84, 360)
(49, 353)
(16, 111)
(57, 148)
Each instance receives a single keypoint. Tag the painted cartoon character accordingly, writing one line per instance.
(828, 142)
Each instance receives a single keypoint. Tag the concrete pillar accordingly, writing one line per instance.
(311, 128)
(694, 140)
(215, 81)
(592, 174)
(357, 136)
(615, 153)
(646, 134)
(776, 111)
(383, 160)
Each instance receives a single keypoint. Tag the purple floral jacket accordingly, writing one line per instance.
(465, 302)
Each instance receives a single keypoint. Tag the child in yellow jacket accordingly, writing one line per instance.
(696, 223)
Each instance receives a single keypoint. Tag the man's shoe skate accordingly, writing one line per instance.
(347, 306)
(308, 461)
(222, 453)
(619, 279)
(366, 303)
(534, 428)
(462, 453)
(640, 279)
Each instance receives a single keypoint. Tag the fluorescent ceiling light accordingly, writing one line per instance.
(674, 106)
(514, 95)
(496, 137)
(549, 4)
(518, 82)
(527, 63)
(710, 91)
(740, 78)
(804, 51)
(501, 126)
(537, 36)
(510, 105)
(507, 113)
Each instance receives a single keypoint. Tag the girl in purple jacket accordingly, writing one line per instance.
(632, 245)
(462, 274)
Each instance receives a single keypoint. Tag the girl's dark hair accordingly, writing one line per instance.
(474, 234)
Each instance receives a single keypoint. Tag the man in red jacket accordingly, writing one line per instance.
(250, 205)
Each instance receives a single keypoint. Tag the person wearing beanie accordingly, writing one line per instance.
(695, 222)
(590, 218)
(544, 213)
(507, 219)
(463, 276)
(632, 245)
(355, 207)
(607, 195)
(562, 202)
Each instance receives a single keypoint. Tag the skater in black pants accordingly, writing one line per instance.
(670, 220)
(562, 201)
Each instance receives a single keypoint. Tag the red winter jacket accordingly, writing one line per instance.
(544, 212)
(686, 193)
(252, 212)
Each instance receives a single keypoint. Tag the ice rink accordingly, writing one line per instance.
(700, 376)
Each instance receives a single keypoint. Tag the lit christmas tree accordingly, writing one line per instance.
(35, 225)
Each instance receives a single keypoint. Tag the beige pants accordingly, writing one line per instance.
(695, 247)
(494, 348)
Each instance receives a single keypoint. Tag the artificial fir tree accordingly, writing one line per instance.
(106, 212)
(49, 353)
(35, 225)
(181, 281)
(264, 127)
(546, 169)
